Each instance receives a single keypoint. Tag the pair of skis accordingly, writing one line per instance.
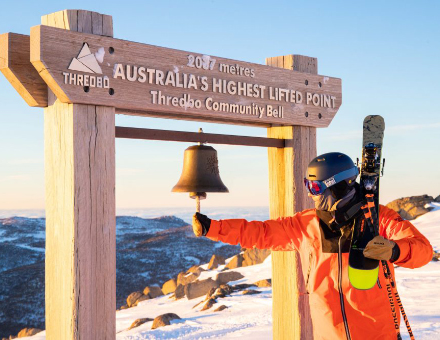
(364, 272)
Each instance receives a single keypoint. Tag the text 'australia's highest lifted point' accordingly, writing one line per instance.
(176, 79)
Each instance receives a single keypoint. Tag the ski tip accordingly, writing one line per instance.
(376, 120)
(363, 278)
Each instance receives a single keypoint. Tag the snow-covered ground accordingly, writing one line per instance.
(249, 317)
(419, 288)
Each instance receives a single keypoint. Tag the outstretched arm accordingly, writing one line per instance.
(281, 234)
(415, 249)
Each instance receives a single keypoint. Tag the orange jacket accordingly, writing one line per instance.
(368, 312)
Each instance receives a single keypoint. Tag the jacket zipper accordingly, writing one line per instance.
(341, 295)
(308, 271)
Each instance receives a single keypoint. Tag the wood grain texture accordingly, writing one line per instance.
(80, 21)
(196, 137)
(80, 222)
(291, 310)
(107, 25)
(80, 214)
(18, 70)
(52, 50)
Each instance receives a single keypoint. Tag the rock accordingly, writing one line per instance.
(179, 277)
(184, 279)
(264, 283)
(220, 308)
(250, 292)
(235, 262)
(219, 293)
(139, 322)
(142, 298)
(28, 332)
(255, 256)
(195, 269)
(225, 277)
(412, 207)
(180, 292)
(153, 292)
(210, 293)
(242, 286)
(132, 298)
(199, 288)
(222, 291)
(192, 269)
(215, 261)
(209, 304)
(199, 303)
(437, 199)
(164, 320)
(169, 286)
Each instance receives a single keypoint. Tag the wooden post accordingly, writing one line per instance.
(80, 206)
(291, 313)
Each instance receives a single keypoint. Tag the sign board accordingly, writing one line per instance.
(139, 78)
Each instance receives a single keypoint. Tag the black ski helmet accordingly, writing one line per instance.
(326, 166)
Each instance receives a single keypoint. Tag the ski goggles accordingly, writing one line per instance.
(318, 187)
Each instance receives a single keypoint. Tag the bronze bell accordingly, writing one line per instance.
(200, 173)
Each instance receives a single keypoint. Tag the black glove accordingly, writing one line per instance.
(396, 253)
(201, 224)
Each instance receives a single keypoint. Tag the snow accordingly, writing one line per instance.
(246, 316)
(418, 288)
(100, 54)
(249, 317)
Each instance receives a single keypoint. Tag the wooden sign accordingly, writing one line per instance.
(144, 79)
(15, 66)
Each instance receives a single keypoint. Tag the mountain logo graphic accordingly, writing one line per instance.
(85, 61)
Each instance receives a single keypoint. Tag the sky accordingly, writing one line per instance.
(386, 54)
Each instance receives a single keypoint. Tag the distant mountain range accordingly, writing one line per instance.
(149, 252)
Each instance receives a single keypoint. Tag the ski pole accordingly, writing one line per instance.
(371, 216)
(389, 277)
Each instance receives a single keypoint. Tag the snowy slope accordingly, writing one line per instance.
(249, 317)
(418, 288)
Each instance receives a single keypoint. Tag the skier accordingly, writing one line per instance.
(322, 238)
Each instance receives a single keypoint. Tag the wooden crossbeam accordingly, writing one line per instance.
(197, 137)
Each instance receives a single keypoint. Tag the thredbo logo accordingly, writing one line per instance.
(87, 62)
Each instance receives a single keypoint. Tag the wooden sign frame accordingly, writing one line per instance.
(145, 79)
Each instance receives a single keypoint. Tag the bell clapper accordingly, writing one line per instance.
(197, 196)
(201, 131)
(198, 204)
